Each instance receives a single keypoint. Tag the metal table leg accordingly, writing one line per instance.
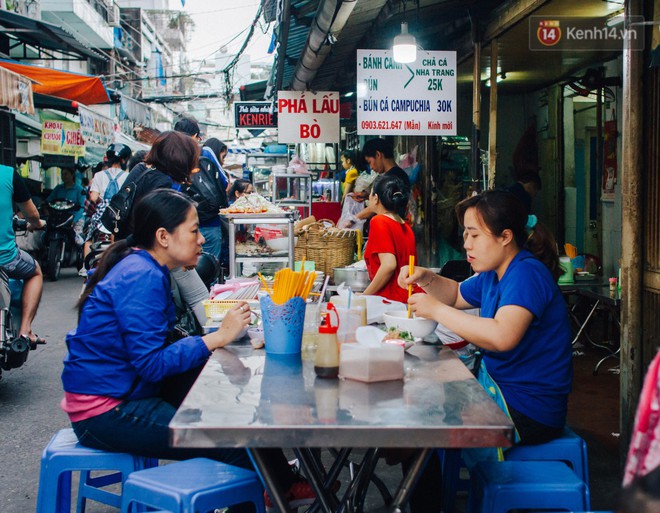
(277, 495)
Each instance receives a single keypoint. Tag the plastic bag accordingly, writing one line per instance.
(297, 165)
(364, 181)
(348, 212)
(409, 164)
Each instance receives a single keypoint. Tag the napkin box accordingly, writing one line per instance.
(371, 364)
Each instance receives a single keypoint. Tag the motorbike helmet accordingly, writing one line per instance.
(118, 151)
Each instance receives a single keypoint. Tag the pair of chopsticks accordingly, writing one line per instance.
(411, 269)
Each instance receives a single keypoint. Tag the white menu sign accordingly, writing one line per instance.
(307, 117)
(406, 99)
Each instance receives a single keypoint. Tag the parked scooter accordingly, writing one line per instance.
(60, 248)
(13, 349)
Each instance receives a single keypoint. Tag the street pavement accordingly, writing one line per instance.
(29, 398)
(29, 404)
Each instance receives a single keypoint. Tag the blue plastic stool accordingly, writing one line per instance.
(499, 486)
(198, 485)
(570, 449)
(64, 455)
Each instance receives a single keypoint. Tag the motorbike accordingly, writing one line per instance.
(60, 248)
(13, 349)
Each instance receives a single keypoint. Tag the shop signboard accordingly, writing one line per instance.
(95, 128)
(62, 138)
(16, 92)
(307, 117)
(255, 115)
(406, 99)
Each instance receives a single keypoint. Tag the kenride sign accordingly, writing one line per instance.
(304, 116)
(255, 115)
(406, 99)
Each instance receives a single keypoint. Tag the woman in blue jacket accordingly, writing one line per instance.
(122, 351)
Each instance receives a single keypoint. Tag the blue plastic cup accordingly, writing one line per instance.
(283, 325)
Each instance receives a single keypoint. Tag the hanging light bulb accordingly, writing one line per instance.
(405, 46)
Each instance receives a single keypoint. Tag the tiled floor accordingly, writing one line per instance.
(594, 414)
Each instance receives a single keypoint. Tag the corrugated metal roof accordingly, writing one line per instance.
(443, 25)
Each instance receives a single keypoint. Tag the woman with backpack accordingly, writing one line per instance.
(208, 187)
(105, 184)
(168, 165)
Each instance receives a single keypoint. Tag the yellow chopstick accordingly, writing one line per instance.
(263, 282)
(411, 269)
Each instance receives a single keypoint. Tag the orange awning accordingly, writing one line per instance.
(63, 84)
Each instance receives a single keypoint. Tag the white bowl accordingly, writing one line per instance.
(279, 243)
(417, 326)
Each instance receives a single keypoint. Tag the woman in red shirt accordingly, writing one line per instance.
(391, 240)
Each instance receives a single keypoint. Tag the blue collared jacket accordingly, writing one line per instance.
(119, 348)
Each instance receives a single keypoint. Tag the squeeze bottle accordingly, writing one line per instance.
(326, 360)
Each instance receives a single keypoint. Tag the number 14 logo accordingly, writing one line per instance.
(548, 32)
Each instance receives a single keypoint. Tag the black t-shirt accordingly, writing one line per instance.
(21, 192)
(154, 179)
(400, 174)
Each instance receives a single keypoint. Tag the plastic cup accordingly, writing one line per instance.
(349, 322)
(283, 325)
(358, 304)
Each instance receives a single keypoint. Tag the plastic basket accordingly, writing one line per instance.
(216, 307)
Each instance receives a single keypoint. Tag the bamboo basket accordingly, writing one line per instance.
(334, 248)
(310, 235)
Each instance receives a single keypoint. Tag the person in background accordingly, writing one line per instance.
(188, 126)
(526, 188)
(105, 185)
(70, 191)
(14, 262)
(379, 154)
(123, 348)
(169, 164)
(212, 159)
(239, 188)
(391, 240)
(347, 159)
(137, 157)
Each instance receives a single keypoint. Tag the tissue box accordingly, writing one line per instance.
(371, 364)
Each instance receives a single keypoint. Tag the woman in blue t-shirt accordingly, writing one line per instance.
(524, 329)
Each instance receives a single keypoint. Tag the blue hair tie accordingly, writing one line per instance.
(531, 222)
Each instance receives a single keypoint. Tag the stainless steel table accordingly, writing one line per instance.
(244, 399)
(597, 295)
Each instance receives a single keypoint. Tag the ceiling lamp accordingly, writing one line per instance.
(405, 46)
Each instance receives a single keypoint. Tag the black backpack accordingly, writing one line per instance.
(206, 191)
(116, 216)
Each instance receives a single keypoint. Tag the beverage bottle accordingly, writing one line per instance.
(326, 360)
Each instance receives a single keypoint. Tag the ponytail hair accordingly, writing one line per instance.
(111, 257)
(501, 210)
(393, 193)
(162, 208)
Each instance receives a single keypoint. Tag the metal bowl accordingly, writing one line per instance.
(357, 279)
